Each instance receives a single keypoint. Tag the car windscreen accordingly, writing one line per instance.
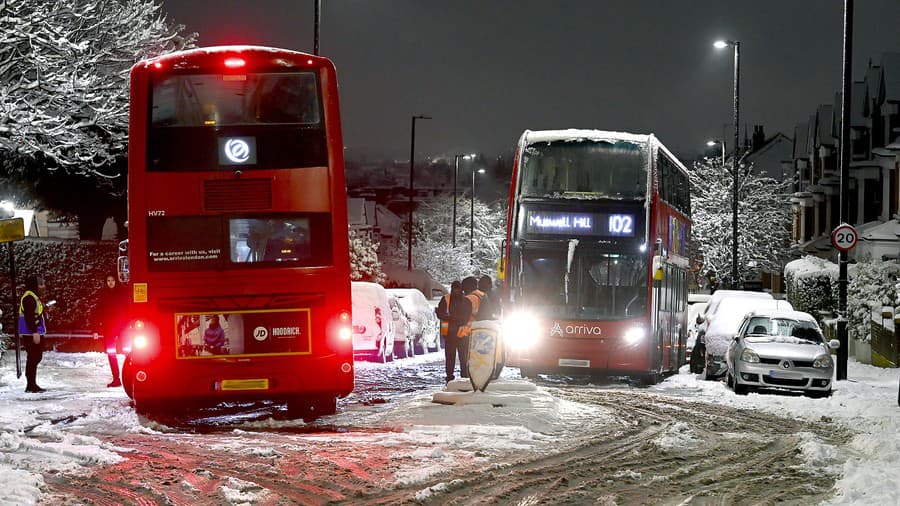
(764, 326)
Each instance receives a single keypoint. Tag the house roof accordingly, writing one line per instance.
(825, 130)
(801, 133)
(890, 63)
(858, 106)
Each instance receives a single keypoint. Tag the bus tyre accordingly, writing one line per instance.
(311, 408)
(128, 377)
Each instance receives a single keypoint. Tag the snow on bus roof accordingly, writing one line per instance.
(574, 134)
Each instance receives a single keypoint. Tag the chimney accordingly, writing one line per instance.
(759, 137)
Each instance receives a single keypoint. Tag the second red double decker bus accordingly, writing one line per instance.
(238, 251)
(595, 262)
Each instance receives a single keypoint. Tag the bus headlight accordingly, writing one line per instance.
(634, 335)
(140, 342)
(521, 330)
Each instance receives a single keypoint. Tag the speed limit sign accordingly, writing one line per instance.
(844, 237)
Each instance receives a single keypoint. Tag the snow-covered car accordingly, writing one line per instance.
(781, 349)
(725, 325)
(373, 324)
(425, 325)
(403, 335)
(701, 323)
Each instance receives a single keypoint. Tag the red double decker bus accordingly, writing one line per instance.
(238, 260)
(595, 263)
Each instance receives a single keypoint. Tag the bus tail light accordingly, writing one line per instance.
(234, 62)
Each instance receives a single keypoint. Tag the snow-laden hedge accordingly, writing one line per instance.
(812, 286)
(74, 272)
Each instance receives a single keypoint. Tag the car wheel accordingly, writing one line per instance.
(729, 380)
(738, 388)
(818, 394)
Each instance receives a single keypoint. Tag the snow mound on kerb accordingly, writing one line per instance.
(498, 393)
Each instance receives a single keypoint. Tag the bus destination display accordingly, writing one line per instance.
(571, 223)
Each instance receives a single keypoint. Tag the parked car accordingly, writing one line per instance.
(783, 350)
(425, 325)
(694, 310)
(725, 324)
(698, 350)
(373, 323)
(403, 335)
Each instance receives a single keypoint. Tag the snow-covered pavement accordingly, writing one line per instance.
(61, 431)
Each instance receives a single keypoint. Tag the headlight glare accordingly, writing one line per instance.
(750, 356)
(634, 335)
(520, 330)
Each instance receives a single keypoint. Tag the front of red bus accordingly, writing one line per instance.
(577, 264)
(238, 253)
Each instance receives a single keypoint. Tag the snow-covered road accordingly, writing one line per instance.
(683, 441)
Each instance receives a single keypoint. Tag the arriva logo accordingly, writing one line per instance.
(237, 150)
(556, 330)
(574, 330)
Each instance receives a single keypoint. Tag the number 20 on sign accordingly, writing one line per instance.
(844, 237)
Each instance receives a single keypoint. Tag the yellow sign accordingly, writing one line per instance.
(12, 229)
(246, 384)
(140, 292)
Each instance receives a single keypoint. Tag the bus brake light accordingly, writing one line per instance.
(234, 62)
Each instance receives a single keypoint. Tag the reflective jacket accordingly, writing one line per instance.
(31, 314)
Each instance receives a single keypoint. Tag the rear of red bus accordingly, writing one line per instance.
(238, 255)
(579, 296)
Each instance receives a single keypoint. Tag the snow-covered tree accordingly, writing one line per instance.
(433, 249)
(871, 286)
(64, 77)
(763, 220)
(364, 263)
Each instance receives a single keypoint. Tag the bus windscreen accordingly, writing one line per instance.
(599, 169)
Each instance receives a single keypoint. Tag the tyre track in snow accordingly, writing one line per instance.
(732, 457)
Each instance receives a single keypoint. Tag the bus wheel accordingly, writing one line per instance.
(311, 408)
(524, 372)
(649, 379)
(128, 377)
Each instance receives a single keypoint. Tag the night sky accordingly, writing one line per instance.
(488, 69)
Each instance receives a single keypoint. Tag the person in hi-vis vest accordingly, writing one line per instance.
(33, 327)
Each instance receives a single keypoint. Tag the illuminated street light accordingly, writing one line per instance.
(455, 176)
(722, 44)
(412, 157)
(713, 142)
(472, 213)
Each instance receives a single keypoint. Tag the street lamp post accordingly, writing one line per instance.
(472, 212)
(721, 44)
(412, 157)
(455, 176)
(713, 142)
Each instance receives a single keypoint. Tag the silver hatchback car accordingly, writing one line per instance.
(782, 350)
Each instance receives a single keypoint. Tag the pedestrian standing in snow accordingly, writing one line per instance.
(33, 326)
(455, 310)
(489, 307)
(108, 321)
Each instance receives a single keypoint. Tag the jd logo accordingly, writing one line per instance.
(556, 330)
(260, 333)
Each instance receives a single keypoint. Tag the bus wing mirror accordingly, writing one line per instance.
(657, 268)
(122, 269)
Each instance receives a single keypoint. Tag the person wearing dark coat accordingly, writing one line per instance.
(455, 310)
(489, 308)
(33, 327)
(108, 317)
